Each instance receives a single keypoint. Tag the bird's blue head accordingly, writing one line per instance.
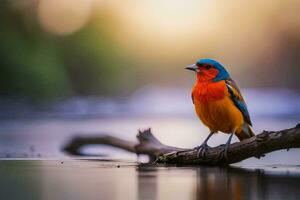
(210, 67)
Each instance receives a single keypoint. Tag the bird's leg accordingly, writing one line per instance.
(224, 152)
(203, 147)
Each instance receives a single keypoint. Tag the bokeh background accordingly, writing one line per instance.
(115, 66)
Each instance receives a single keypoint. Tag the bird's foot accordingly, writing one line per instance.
(201, 150)
(223, 155)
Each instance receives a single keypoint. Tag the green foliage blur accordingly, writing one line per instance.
(39, 65)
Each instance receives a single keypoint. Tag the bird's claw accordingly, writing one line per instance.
(201, 150)
(224, 153)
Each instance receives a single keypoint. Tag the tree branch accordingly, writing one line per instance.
(257, 146)
(74, 146)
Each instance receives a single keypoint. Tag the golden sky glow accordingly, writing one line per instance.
(162, 30)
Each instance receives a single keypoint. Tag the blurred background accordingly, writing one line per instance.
(105, 65)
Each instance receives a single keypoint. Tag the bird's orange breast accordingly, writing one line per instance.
(215, 108)
(207, 91)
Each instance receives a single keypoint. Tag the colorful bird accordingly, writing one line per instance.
(219, 103)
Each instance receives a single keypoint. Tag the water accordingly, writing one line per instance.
(79, 179)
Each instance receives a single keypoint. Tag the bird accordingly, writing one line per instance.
(219, 103)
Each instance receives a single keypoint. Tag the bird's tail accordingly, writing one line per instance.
(244, 132)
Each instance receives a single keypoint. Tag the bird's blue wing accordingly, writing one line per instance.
(238, 99)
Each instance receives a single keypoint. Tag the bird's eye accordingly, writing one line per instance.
(207, 66)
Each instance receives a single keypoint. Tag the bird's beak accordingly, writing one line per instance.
(192, 67)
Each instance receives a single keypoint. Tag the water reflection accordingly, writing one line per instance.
(222, 183)
(215, 183)
(147, 182)
(87, 179)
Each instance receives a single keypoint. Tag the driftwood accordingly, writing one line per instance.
(257, 146)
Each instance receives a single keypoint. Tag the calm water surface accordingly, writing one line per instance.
(79, 179)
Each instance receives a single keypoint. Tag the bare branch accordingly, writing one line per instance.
(258, 145)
